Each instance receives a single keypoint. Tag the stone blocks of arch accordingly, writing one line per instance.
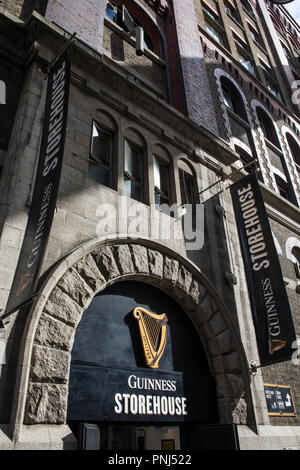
(57, 314)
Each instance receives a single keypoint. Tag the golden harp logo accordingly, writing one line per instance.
(153, 333)
(276, 345)
(25, 281)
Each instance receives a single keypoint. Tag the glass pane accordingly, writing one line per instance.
(156, 173)
(127, 187)
(228, 100)
(187, 188)
(128, 158)
(214, 33)
(132, 189)
(161, 176)
(247, 64)
(111, 11)
(133, 161)
(101, 146)
(164, 179)
(98, 173)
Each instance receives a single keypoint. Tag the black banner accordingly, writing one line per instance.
(271, 312)
(46, 183)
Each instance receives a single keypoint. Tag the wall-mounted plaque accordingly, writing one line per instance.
(280, 400)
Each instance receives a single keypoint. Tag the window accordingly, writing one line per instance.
(265, 67)
(255, 35)
(101, 151)
(247, 64)
(282, 188)
(296, 263)
(228, 99)
(267, 127)
(294, 149)
(241, 43)
(233, 99)
(297, 269)
(188, 191)
(133, 171)
(214, 16)
(161, 182)
(120, 15)
(247, 6)
(286, 50)
(273, 89)
(231, 11)
(214, 33)
(245, 159)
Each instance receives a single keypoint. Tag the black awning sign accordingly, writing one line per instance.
(271, 312)
(280, 400)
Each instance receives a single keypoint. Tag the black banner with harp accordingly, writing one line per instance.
(271, 312)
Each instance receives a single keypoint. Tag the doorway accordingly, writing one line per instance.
(142, 436)
(103, 436)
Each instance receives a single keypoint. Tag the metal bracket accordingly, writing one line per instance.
(253, 367)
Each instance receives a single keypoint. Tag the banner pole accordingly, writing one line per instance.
(59, 54)
(235, 171)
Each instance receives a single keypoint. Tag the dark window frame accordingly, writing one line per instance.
(107, 166)
(138, 181)
(165, 195)
(117, 19)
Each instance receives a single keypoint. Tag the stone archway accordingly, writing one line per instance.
(68, 292)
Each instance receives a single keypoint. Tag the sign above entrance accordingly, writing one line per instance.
(98, 393)
(153, 332)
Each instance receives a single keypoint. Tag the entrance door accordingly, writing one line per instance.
(128, 437)
(102, 436)
(140, 404)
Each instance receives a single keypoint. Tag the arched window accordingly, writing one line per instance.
(267, 127)
(134, 179)
(277, 160)
(119, 14)
(294, 149)
(233, 99)
(102, 161)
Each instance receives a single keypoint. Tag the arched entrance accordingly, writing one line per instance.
(130, 404)
(69, 290)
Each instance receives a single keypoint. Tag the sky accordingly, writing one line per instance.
(294, 10)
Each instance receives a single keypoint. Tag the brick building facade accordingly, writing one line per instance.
(212, 91)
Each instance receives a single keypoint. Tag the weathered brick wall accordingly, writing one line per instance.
(84, 18)
(23, 8)
(151, 71)
(196, 84)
